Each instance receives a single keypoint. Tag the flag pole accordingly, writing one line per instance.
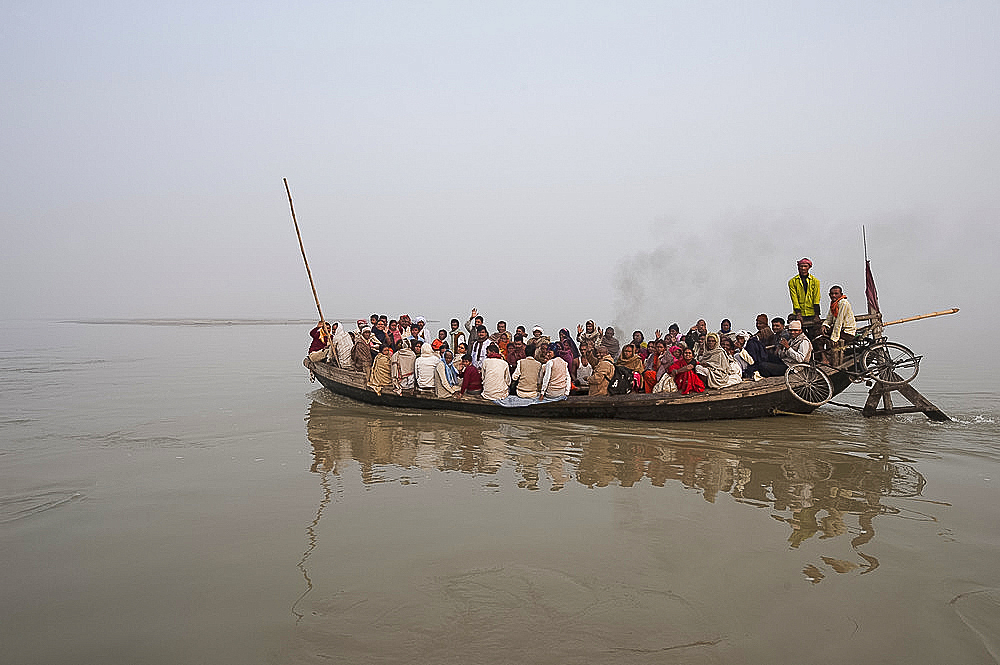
(322, 322)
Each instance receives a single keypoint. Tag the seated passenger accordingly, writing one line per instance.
(528, 374)
(740, 355)
(716, 365)
(381, 376)
(472, 380)
(639, 344)
(402, 365)
(555, 376)
(630, 359)
(393, 333)
(584, 369)
(321, 335)
(569, 351)
(446, 379)
(496, 374)
(651, 369)
(424, 335)
(839, 328)
(361, 355)
(684, 375)
(610, 342)
(588, 334)
(380, 331)
(423, 370)
(757, 348)
(604, 370)
(439, 341)
(695, 338)
(516, 351)
(665, 381)
(796, 350)
(501, 337)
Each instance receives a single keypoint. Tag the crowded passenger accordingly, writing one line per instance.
(610, 342)
(527, 374)
(381, 375)
(496, 374)
(839, 328)
(630, 359)
(716, 366)
(446, 379)
(797, 349)
(516, 350)
(589, 334)
(555, 377)
(584, 369)
(423, 370)
(401, 355)
(472, 379)
(684, 375)
(402, 366)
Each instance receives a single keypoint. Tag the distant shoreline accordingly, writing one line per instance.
(193, 322)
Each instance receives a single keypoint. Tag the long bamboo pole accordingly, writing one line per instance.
(922, 316)
(291, 206)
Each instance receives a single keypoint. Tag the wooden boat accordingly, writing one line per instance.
(749, 399)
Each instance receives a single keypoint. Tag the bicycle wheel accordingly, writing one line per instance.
(892, 364)
(809, 385)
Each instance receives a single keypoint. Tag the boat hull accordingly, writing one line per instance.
(750, 399)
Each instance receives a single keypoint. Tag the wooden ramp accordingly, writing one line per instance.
(918, 403)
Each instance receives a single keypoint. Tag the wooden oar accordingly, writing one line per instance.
(922, 316)
(322, 321)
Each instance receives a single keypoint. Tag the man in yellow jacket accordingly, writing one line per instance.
(804, 291)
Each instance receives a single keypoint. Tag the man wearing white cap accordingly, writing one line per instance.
(798, 349)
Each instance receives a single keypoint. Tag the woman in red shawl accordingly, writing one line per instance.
(683, 372)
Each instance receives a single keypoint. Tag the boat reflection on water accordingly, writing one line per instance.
(818, 491)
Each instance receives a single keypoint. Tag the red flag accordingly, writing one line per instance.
(870, 291)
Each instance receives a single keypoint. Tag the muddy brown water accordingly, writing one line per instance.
(181, 493)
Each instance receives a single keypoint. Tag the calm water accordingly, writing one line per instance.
(183, 494)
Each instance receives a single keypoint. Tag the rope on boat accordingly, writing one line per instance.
(847, 406)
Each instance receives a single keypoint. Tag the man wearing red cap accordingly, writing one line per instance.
(806, 298)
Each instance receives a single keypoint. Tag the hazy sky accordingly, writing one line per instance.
(642, 162)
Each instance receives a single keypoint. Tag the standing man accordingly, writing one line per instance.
(456, 336)
(479, 348)
(804, 291)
